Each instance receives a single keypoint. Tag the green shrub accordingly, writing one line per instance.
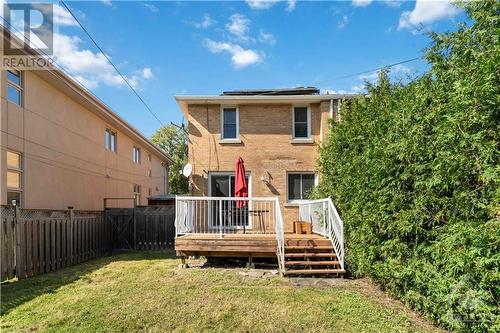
(414, 170)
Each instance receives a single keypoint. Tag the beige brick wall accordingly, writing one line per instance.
(266, 134)
(64, 159)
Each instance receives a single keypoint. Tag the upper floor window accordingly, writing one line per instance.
(299, 185)
(229, 123)
(110, 140)
(301, 122)
(136, 155)
(14, 178)
(149, 158)
(14, 87)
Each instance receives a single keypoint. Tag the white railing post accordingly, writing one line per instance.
(220, 218)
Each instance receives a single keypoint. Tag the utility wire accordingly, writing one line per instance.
(375, 69)
(112, 64)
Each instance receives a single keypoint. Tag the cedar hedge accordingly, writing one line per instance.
(414, 170)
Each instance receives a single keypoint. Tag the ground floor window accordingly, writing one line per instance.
(137, 194)
(300, 185)
(14, 178)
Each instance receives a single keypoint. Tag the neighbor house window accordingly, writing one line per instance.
(110, 140)
(300, 185)
(14, 177)
(136, 155)
(137, 194)
(301, 119)
(229, 123)
(14, 87)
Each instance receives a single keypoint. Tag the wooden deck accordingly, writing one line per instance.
(238, 245)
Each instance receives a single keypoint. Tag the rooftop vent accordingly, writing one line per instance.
(283, 91)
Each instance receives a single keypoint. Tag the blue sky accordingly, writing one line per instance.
(168, 48)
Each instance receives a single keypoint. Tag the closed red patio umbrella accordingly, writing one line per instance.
(240, 183)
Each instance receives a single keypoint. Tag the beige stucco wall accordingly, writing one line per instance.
(65, 162)
(266, 147)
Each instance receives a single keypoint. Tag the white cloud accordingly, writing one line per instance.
(89, 68)
(266, 4)
(151, 7)
(261, 4)
(107, 2)
(239, 26)
(61, 16)
(147, 73)
(205, 23)
(290, 6)
(240, 57)
(343, 22)
(267, 37)
(361, 3)
(426, 12)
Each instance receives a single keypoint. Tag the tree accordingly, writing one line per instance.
(173, 141)
(414, 171)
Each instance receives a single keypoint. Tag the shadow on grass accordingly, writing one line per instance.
(16, 292)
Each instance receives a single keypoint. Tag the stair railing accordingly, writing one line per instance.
(280, 236)
(325, 221)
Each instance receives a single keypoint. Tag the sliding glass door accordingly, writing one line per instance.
(222, 185)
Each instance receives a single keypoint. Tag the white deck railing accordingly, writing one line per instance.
(325, 221)
(221, 215)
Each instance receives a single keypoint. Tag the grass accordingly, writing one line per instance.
(142, 291)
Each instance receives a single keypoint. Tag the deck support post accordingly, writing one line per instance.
(250, 263)
(183, 262)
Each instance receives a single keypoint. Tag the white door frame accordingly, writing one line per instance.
(230, 173)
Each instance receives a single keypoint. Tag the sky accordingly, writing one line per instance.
(168, 48)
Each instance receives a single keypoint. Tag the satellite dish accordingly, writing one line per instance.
(187, 170)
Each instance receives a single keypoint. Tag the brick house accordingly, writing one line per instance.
(277, 132)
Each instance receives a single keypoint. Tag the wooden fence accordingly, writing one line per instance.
(39, 241)
(142, 228)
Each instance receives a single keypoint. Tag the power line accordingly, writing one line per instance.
(375, 69)
(112, 64)
(77, 158)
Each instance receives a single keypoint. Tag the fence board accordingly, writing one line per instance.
(39, 241)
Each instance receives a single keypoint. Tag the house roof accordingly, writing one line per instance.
(83, 96)
(267, 92)
(183, 101)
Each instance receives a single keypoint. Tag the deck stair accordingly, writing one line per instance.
(310, 255)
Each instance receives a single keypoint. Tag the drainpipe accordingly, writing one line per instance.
(331, 108)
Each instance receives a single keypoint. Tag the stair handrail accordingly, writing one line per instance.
(332, 225)
(280, 236)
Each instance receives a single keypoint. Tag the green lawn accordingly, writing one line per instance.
(147, 292)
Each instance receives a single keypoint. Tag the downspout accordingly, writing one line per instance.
(331, 108)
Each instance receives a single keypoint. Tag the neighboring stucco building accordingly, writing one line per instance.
(61, 146)
(276, 132)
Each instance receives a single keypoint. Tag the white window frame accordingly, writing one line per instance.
(21, 176)
(136, 155)
(113, 144)
(18, 87)
(297, 201)
(137, 194)
(308, 139)
(249, 185)
(230, 140)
